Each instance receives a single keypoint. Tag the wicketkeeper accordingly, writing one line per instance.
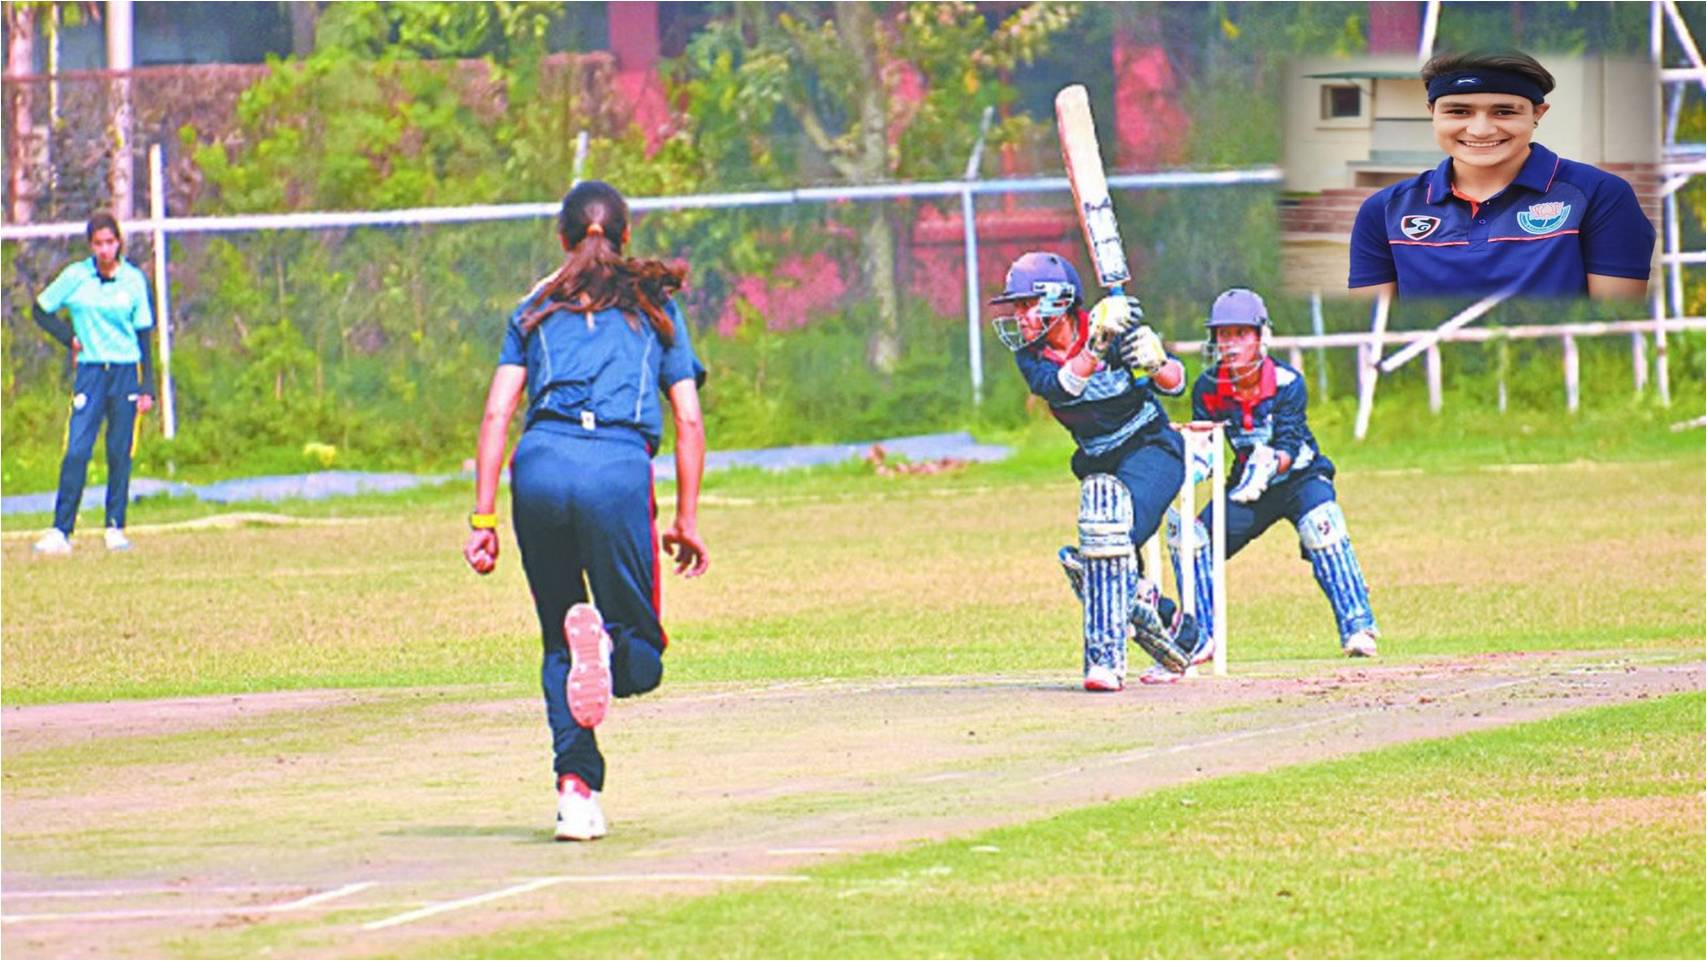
(1097, 370)
(1280, 471)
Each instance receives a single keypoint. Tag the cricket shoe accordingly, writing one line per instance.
(53, 542)
(579, 817)
(1359, 644)
(589, 664)
(116, 541)
(1099, 678)
(1157, 674)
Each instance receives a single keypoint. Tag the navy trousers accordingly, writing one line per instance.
(584, 517)
(1152, 466)
(100, 392)
(1291, 500)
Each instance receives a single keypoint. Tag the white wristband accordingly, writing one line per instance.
(1070, 382)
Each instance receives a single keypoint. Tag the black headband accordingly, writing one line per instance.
(1485, 81)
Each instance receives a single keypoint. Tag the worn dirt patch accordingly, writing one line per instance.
(349, 808)
(55, 725)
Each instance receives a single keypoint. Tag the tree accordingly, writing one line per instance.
(30, 161)
(879, 92)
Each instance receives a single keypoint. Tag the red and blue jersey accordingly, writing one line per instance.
(1541, 236)
(1274, 417)
(1112, 409)
(598, 369)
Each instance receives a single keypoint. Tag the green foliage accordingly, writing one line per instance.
(379, 341)
(813, 386)
(375, 340)
(1558, 29)
(878, 92)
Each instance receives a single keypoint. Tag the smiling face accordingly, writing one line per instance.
(1486, 130)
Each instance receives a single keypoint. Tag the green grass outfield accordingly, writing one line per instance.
(1578, 836)
(837, 572)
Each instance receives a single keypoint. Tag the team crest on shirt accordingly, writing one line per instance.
(1418, 226)
(1544, 218)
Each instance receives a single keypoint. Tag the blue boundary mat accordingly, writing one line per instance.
(342, 483)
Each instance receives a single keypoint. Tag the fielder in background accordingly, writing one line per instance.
(1097, 372)
(114, 381)
(594, 344)
(1280, 472)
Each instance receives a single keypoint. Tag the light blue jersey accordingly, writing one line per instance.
(105, 314)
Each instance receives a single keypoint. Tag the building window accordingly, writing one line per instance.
(1341, 102)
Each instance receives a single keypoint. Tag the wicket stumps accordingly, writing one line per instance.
(1205, 459)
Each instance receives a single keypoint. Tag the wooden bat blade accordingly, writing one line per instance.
(1083, 160)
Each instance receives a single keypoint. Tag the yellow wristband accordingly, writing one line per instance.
(483, 522)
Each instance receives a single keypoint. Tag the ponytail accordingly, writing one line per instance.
(595, 275)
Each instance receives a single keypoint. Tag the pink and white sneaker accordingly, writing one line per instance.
(579, 817)
(1157, 674)
(589, 685)
(1099, 678)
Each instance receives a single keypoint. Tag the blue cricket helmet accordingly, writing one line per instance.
(1033, 270)
(1238, 307)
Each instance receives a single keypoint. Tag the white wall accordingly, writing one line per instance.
(1316, 151)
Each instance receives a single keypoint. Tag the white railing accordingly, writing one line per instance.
(1428, 342)
(163, 226)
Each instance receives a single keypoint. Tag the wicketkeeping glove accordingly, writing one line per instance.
(1259, 470)
(1111, 317)
(1143, 350)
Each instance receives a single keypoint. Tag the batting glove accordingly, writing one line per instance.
(1111, 317)
(1259, 471)
(1143, 350)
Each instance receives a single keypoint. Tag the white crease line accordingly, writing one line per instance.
(538, 883)
(785, 852)
(141, 913)
(323, 897)
(444, 906)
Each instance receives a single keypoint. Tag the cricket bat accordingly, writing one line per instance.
(1083, 160)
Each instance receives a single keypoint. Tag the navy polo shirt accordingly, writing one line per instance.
(600, 368)
(1541, 236)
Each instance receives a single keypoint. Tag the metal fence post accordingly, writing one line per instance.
(1573, 368)
(969, 222)
(1431, 363)
(162, 288)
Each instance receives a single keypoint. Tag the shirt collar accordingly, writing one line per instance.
(1536, 174)
(1266, 384)
(1440, 182)
(1538, 170)
(95, 270)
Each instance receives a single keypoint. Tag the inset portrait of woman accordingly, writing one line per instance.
(1502, 213)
